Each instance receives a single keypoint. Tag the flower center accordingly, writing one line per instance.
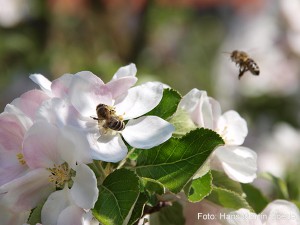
(60, 174)
(21, 159)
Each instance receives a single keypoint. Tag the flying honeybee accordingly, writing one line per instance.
(244, 62)
(108, 115)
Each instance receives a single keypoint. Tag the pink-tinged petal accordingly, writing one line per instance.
(28, 191)
(139, 100)
(73, 146)
(84, 191)
(108, 148)
(239, 163)
(43, 82)
(120, 86)
(200, 107)
(60, 86)
(12, 130)
(125, 71)
(85, 95)
(281, 211)
(40, 146)
(30, 101)
(11, 168)
(21, 118)
(73, 215)
(232, 127)
(59, 112)
(55, 204)
(147, 132)
(9, 217)
(90, 77)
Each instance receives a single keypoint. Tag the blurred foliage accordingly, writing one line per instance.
(175, 45)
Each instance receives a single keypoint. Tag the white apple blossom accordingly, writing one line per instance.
(74, 99)
(238, 162)
(278, 212)
(53, 156)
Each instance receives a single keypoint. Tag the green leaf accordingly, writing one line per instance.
(117, 197)
(168, 104)
(228, 199)
(152, 189)
(152, 186)
(138, 209)
(280, 185)
(169, 215)
(175, 162)
(199, 188)
(221, 180)
(255, 198)
(182, 123)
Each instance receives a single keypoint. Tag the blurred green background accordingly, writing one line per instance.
(180, 43)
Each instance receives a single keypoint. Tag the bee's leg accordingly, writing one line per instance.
(95, 118)
(242, 70)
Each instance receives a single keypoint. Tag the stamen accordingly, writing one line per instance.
(21, 159)
(60, 174)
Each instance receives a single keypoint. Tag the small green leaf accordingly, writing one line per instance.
(117, 197)
(35, 216)
(255, 198)
(280, 185)
(221, 180)
(169, 215)
(228, 199)
(138, 209)
(199, 188)
(152, 186)
(168, 104)
(175, 162)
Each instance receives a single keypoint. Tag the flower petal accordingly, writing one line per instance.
(59, 112)
(239, 163)
(139, 100)
(120, 85)
(9, 217)
(72, 215)
(30, 101)
(26, 192)
(232, 127)
(12, 131)
(125, 71)
(203, 110)
(85, 94)
(55, 204)
(108, 148)
(40, 146)
(43, 82)
(73, 146)
(147, 132)
(84, 190)
(60, 86)
(283, 212)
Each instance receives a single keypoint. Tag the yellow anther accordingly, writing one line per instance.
(60, 174)
(21, 159)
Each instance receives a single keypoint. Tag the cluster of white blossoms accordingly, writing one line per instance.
(48, 136)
